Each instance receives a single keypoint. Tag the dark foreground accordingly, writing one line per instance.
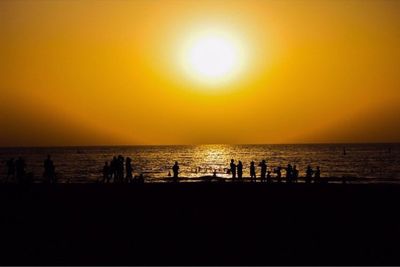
(200, 224)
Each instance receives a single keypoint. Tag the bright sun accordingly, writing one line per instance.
(212, 57)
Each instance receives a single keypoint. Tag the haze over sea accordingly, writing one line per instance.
(374, 162)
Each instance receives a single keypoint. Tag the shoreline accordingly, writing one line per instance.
(219, 179)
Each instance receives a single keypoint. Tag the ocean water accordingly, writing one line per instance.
(371, 162)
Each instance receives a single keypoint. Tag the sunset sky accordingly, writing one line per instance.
(139, 72)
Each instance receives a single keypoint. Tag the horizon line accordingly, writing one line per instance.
(233, 144)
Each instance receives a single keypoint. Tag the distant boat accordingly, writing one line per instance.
(79, 152)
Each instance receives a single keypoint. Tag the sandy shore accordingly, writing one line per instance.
(200, 224)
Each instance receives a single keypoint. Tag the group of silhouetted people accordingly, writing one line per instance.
(238, 169)
(116, 172)
(292, 173)
(310, 174)
(16, 170)
(119, 170)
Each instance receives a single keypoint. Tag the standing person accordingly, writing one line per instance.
(269, 179)
(128, 169)
(113, 168)
(233, 169)
(295, 174)
(106, 172)
(240, 170)
(278, 174)
(253, 172)
(10, 169)
(49, 170)
(175, 170)
(309, 173)
(263, 166)
(20, 169)
(317, 175)
(120, 168)
(289, 173)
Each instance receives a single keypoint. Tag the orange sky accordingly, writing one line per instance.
(108, 72)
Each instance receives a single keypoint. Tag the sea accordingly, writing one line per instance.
(367, 163)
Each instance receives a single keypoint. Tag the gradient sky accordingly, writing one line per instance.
(110, 72)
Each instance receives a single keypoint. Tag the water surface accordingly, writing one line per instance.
(376, 162)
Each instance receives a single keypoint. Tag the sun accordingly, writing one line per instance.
(212, 57)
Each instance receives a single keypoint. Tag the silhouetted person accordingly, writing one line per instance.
(295, 173)
(263, 166)
(309, 173)
(269, 180)
(278, 174)
(20, 169)
(113, 168)
(240, 170)
(128, 169)
(10, 169)
(175, 170)
(215, 173)
(344, 151)
(49, 170)
(253, 172)
(317, 174)
(233, 169)
(141, 178)
(120, 169)
(106, 172)
(289, 173)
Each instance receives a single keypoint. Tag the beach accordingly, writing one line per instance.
(200, 133)
(199, 224)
